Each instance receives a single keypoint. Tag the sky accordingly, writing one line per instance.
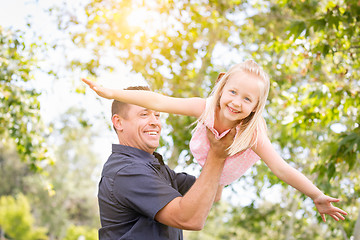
(60, 92)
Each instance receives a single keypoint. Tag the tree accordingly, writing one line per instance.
(313, 47)
(72, 199)
(25, 148)
(19, 106)
(63, 196)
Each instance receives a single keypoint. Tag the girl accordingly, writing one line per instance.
(237, 101)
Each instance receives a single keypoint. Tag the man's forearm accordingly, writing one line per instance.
(198, 201)
(190, 211)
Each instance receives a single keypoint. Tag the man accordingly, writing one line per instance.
(142, 198)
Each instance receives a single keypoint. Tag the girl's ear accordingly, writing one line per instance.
(219, 77)
(117, 122)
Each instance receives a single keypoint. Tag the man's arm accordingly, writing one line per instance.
(190, 211)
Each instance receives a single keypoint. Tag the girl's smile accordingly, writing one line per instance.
(232, 110)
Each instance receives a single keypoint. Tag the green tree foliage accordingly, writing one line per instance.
(20, 119)
(315, 65)
(80, 232)
(13, 172)
(261, 220)
(16, 221)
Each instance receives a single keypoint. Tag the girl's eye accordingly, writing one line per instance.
(232, 92)
(248, 99)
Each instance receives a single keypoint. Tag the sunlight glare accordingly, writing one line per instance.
(145, 19)
(138, 17)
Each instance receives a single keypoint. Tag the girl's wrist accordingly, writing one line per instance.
(317, 196)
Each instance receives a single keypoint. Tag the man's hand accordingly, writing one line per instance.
(101, 91)
(324, 206)
(220, 147)
(190, 211)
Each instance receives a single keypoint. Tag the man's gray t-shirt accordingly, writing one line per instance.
(134, 186)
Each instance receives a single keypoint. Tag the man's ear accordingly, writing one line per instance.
(117, 122)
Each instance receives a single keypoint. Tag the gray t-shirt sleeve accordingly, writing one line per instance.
(184, 182)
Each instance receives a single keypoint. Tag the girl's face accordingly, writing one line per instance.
(239, 98)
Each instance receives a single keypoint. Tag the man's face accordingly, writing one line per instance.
(140, 129)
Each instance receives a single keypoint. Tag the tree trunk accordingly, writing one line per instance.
(289, 232)
(173, 161)
(357, 228)
(343, 231)
(2, 235)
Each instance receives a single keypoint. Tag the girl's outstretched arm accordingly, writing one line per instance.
(155, 101)
(291, 176)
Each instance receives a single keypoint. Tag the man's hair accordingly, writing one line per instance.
(121, 108)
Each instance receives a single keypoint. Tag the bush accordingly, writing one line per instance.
(81, 233)
(16, 220)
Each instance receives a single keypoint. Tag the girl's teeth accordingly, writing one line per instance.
(233, 110)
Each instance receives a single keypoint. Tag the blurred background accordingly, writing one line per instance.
(56, 133)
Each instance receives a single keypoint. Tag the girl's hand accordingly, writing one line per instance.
(101, 91)
(324, 206)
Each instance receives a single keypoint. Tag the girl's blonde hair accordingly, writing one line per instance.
(252, 125)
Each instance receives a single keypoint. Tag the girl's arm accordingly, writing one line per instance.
(151, 100)
(291, 176)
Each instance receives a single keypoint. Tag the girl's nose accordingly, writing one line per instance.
(237, 103)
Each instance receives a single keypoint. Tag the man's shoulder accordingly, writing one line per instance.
(115, 163)
(125, 164)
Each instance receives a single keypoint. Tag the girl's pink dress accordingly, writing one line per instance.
(235, 166)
